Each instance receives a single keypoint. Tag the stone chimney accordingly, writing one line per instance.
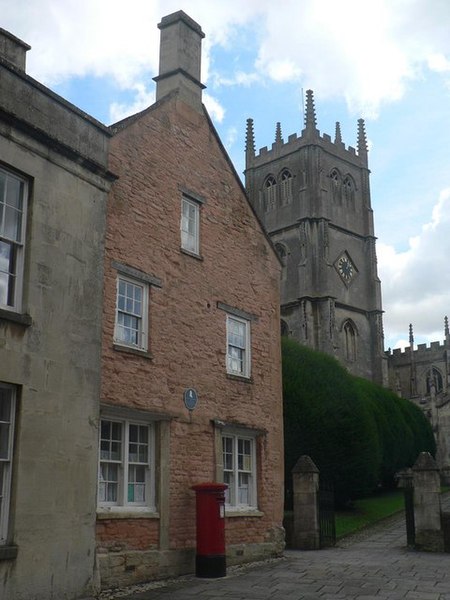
(180, 59)
(13, 50)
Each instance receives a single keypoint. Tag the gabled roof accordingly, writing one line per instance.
(124, 123)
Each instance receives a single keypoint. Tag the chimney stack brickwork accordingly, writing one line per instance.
(180, 59)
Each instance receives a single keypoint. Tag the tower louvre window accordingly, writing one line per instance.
(286, 187)
(270, 193)
(349, 188)
(349, 341)
(434, 377)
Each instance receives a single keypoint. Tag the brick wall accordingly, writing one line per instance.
(169, 148)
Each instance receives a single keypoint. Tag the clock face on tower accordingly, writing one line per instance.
(345, 268)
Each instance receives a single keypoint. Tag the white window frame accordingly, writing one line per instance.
(190, 240)
(7, 446)
(142, 320)
(123, 467)
(232, 472)
(17, 244)
(245, 348)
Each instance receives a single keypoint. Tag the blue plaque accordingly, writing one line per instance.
(190, 398)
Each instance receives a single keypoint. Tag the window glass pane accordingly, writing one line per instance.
(244, 488)
(5, 405)
(133, 453)
(4, 288)
(136, 484)
(124, 476)
(133, 435)
(238, 470)
(227, 445)
(130, 310)
(4, 441)
(189, 225)
(5, 256)
(138, 447)
(14, 193)
(116, 431)
(229, 492)
(110, 443)
(12, 223)
(5, 422)
(108, 482)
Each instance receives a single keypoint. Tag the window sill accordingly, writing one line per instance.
(135, 351)
(19, 318)
(116, 512)
(247, 512)
(242, 378)
(8, 552)
(192, 254)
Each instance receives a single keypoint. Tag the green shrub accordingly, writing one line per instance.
(325, 418)
(359, 434)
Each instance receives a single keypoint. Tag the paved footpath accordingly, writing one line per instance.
(372, 565)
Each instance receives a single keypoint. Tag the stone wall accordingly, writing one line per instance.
(50, 350)
(170, 149)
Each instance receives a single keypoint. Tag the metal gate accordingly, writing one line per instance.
(408, 491)
(327, 528)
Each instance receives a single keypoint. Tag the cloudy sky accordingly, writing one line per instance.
(385, 60)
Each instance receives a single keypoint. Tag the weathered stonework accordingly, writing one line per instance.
(427, 504)
(166, 151)
(313, 196)
(422, 375)
(50, 347)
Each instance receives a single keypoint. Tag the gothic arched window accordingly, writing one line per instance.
(348, 186)
(434, 376)
(335, 177)
(336, 181)
(282, 253)
(270, 193)
(286, 187)
(349, 332)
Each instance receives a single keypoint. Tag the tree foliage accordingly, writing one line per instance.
(357, 433)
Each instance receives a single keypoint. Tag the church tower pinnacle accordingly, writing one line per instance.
(362, 140)
(312, 195)
(310, 111)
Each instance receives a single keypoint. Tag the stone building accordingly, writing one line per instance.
(53, 186)
(191, 310)
(423, 376)
(313, 196)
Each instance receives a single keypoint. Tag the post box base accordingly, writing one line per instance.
(210, 566)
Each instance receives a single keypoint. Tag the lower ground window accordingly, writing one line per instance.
(7, 414)
(126, 464)
(239, 470)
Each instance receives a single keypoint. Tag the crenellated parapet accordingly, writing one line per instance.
(310, 134)
(421, 349)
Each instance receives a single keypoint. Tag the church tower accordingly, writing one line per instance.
(312, 194)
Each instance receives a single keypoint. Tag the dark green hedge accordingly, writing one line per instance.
(357, 433)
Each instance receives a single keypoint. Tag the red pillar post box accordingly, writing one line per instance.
(210, 559)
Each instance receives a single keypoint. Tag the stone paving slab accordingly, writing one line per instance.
(371, 565)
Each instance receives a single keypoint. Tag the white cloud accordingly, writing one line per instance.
(143, 99)
(230, 138)
(365, 51)
(416, 283)
(214, 108)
